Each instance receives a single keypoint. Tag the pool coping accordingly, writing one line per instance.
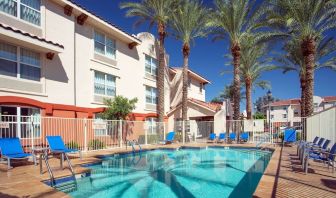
(268, 179)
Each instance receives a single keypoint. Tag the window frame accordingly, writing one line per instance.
(105, 84)
(17, 15)
(154, 100)
(151, 65)
(114, 57)
(18, 62)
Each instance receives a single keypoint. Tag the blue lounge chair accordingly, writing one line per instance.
(315, 140)
(221, 137)
(319, 143)
(212, 138)
(11, 149)
(169, 138)
(244, 137)
(328, 157)
(232, 136)
(56, 145)
(289, 136)
(317, 149)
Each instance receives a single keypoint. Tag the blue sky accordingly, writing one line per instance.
(207, 58)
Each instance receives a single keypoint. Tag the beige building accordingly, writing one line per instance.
(290, 110)
(58, 59)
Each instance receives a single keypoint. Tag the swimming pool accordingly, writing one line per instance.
(211, 172)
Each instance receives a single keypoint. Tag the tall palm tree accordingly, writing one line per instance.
(307, 21)
(155, 12)
(189, 21)
(236, 19)
(293, 60)
(253, 64)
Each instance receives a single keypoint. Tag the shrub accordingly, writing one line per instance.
(72, 145)
(96, 144)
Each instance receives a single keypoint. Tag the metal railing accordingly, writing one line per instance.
(97, 134)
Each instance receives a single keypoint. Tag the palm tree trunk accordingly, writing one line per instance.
(235, 50)
(303, 98)
(248, 98)
(186, 52)
(303, 104)
(161, 72)
(308, 48)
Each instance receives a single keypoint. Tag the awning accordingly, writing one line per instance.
(28, 40)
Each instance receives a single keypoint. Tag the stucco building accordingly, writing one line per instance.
(58, 59)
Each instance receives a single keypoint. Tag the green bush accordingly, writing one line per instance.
(298, 136)
(72, 145)
(96, 144)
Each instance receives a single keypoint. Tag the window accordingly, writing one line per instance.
(189, 82)
(296, 113)
(201, 87)
(151, 125)
(151, 97)
(151, 65)
(104, 45)
(19, 62)
(284, 108)
(272, 116)
(284, 115)
(272, 108)
(27, 10)
(23, 122)
(104, 84)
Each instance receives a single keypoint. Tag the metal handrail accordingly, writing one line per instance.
(132, 143)
(51, 175)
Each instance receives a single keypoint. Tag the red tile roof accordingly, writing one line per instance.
(30, 35)
(286, 102)
(209, 105)
(329, 98)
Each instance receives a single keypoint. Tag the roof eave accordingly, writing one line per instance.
(131, 40)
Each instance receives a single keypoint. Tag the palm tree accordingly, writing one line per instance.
(293, 60)
(231, 17)
(307, 21)
(253, 64)
(155, 12)
(189, 21)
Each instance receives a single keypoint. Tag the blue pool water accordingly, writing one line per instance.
(212, 172)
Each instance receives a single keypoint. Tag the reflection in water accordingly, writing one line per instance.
(184, 173)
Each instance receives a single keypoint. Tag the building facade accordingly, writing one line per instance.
(58, 59)
(290, 110)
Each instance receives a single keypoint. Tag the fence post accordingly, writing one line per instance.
(164, 130)
(183, 132)
(120, 134)
(85, 136)
(32, 130)
(146, 132)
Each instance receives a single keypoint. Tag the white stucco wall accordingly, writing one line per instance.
(69, 78)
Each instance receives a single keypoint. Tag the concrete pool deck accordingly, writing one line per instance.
(283, 176)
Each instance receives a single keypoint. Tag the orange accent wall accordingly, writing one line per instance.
(66, 111)
(50, 109)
